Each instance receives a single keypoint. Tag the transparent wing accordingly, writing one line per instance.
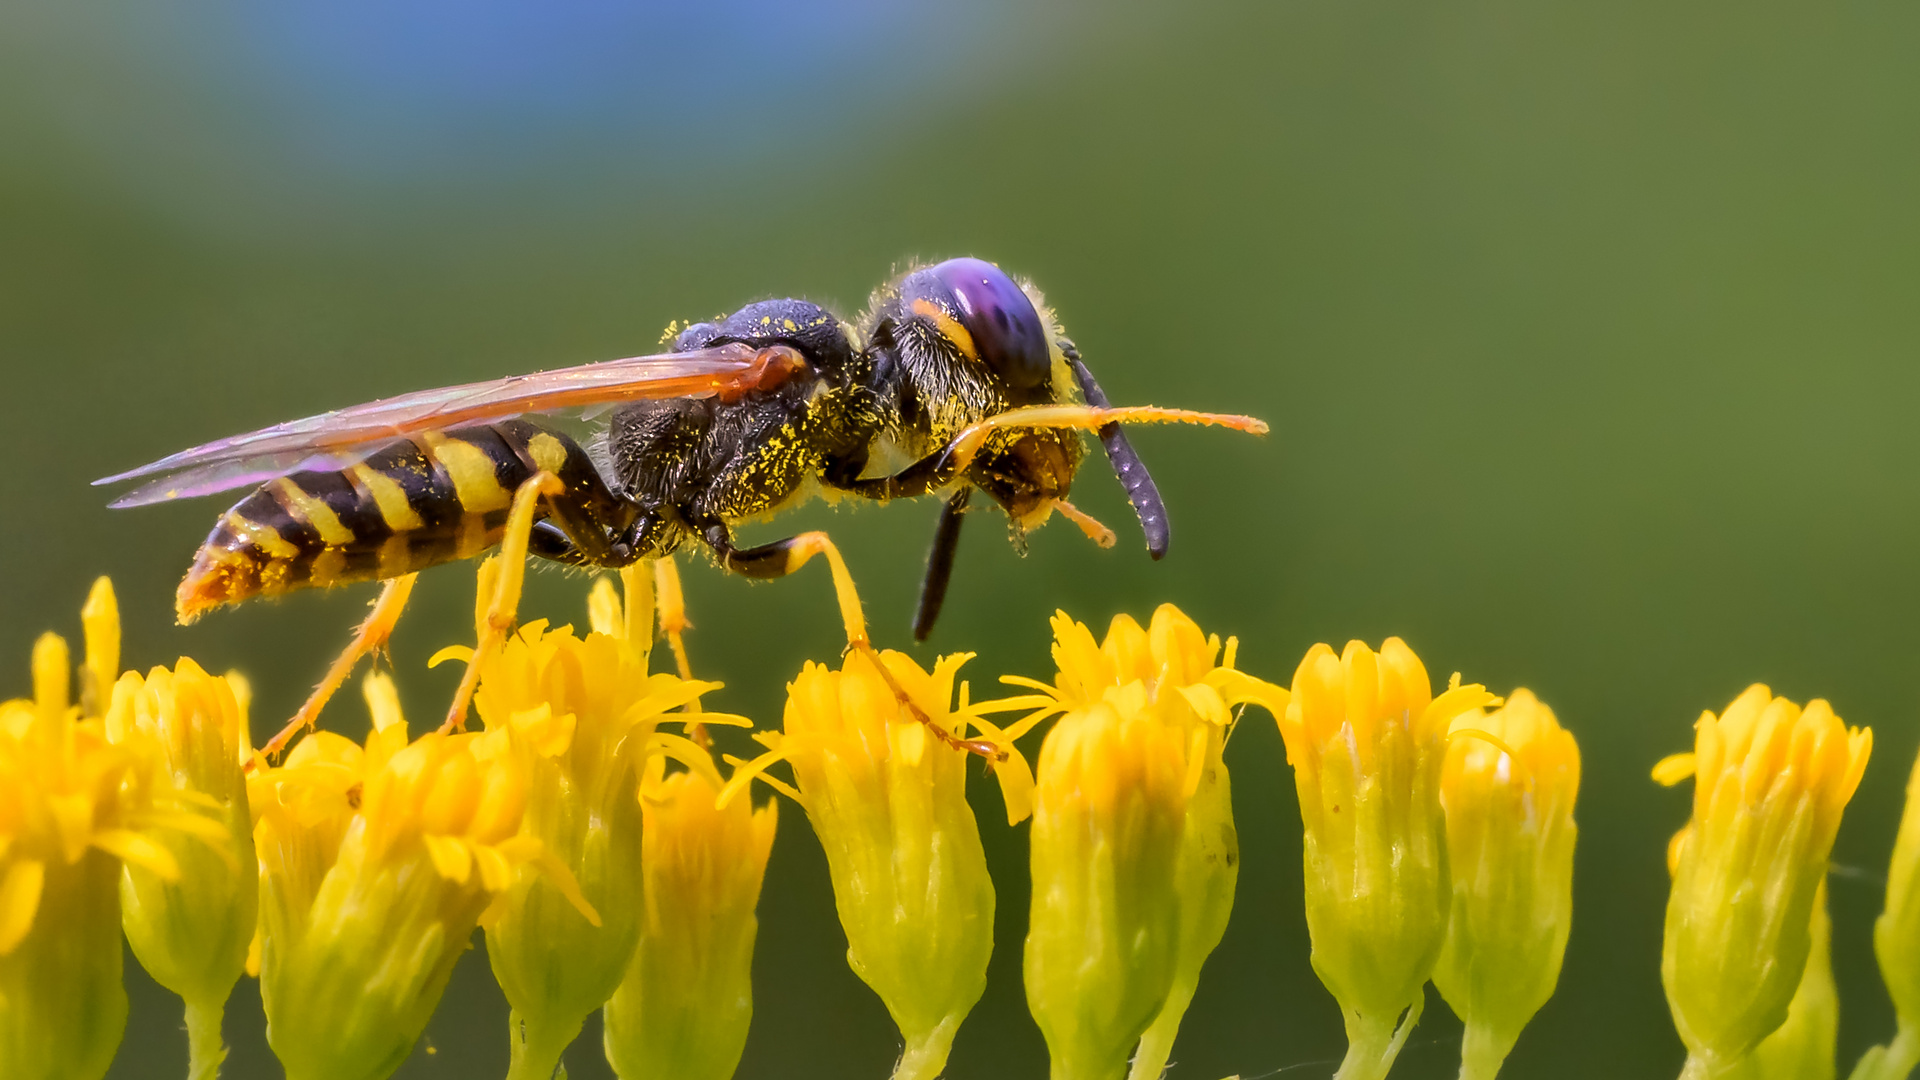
(339, 438)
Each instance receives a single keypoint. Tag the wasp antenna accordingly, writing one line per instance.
(1141, 491)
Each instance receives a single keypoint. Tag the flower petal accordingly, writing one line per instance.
(19, 899)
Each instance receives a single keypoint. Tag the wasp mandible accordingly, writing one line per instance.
(957, 378)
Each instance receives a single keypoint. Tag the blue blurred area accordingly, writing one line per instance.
(242, 116)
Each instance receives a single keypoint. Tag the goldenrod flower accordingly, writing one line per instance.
(1367, 741)
(73, 808)
(376, 863)
(1770, 782)
(1896, 943)
(580, 714)
(1508, 789)
(685, 1004)
(887, 799)
(1802, 1047)
(191, 931)
(1103, 937)
(1189, 686)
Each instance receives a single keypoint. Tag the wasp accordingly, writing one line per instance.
(958, 378)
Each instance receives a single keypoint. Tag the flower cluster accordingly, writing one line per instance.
(82, 803)
(614, 860)
(1439, 845)
(1134, 851)
(1744, 963)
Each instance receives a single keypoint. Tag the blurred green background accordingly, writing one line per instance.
(1586, 333)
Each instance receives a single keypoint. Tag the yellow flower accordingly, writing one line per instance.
(376, 863)
(1508, 788)
(1802, 1048)
(73, 808)
(1770, 782)
(887, 799)
(1367, 740)
(684, 1007)
(1896, 942)
(1103, 937)
(191, 931)
(1188, 686)
(580, 713)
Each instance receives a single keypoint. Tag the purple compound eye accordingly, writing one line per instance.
(1007, 332)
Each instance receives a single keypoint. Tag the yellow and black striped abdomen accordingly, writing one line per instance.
(411, 504)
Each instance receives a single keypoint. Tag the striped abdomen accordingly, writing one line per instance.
(407, 506)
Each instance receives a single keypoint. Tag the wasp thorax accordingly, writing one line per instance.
(805, 326)
(986, 314)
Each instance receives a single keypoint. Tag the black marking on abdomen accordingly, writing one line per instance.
(407, 506)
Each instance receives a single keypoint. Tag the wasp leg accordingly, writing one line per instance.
(594, 544)
(672, 608)
(549, 541)
(923, 477)
(371, 637)
(783, 557)
(936, 470)
(1084, 418)
(501, 576)
(933, 587)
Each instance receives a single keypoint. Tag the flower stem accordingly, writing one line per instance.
(536, 1048)
(926, 1053)
(1699, 1067)
(1482, 1052)
(1894, 1061)
(205, 1051)
(1156, 1046)
(1373, 1044)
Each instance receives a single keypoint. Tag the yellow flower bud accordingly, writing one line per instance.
(376, 864)
(1802, 1048)
(1508, 789)
(1896, 942)
(1367, 741)
(191, 932)
(682, 1011)
(74, 807)
(1189, 686)
(1770, 782)
(580, 713)
(1104, 934)
(888, 801)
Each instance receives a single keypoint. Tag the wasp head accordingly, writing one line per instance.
(1028, 474)
(989, 318)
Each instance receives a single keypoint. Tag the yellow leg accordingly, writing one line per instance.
(1095, 531)
(673, 611)
(806, 546)
(497, 603)
(371, 637)
(672, 608)
(636, 582)
(1085, 418)
(800, 551)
